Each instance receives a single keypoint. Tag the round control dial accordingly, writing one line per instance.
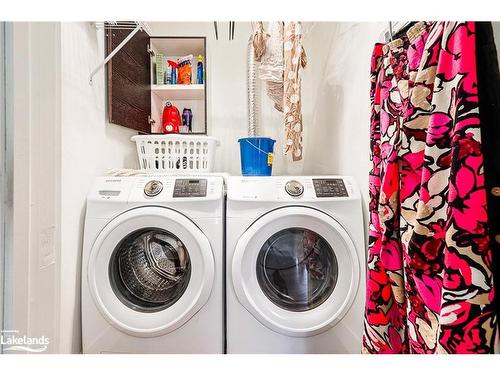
(294, 188)
(153, 188)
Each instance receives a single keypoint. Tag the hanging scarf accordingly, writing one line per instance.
(259, 41)
(294, 60)
(271, 62)
(429, 282)
(282, 56)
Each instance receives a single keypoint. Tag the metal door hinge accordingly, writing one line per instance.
(151, 121)
(150, 51)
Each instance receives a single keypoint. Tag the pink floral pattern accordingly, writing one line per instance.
(430, 283)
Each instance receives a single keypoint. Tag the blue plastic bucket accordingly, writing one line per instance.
(256, 156)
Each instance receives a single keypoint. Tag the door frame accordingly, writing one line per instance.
(32, 256)
(6, 168)
(3, 108)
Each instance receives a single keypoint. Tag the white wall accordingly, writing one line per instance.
(496, 33)
(90, 146)
(338, 135)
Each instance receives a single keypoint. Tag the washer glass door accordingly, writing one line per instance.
(150, 270)
(296, 270)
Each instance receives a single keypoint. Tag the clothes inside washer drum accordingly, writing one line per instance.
(154, 266)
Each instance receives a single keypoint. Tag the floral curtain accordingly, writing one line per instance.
(430, 281)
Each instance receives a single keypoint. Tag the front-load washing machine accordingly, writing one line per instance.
(152, 267)
(295, 265)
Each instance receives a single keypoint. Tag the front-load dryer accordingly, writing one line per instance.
(152, 268)
(295, 265)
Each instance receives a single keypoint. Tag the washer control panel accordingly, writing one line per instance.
(294, 188)
(157, 189)
(109, 193)
(329, 187)
(153, 188)
(188, 188)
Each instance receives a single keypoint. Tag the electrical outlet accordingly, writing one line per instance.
(46, 256)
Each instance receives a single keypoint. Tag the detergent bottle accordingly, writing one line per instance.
(171, 119)
(199, 70)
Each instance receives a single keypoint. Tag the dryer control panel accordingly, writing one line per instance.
(292, 188)
(329, 187)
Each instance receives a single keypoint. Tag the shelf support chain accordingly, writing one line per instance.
(114, 52)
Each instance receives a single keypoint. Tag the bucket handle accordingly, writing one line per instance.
(257, 148)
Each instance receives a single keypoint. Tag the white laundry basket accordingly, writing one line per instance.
(176, 153)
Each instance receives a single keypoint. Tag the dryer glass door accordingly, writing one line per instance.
(296, 270)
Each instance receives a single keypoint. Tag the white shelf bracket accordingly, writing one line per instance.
(139, 27)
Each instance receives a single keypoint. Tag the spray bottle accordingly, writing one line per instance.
(173, 73)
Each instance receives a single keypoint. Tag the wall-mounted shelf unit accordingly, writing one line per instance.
(135, 98)
(182, 96)
(181, 92)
